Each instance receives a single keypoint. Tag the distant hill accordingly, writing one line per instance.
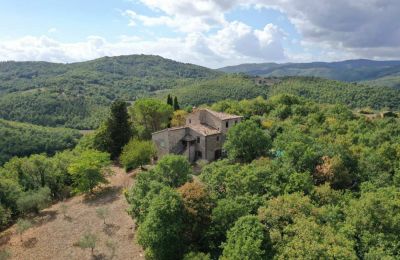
(377, 72)
(22, 139)
(76, 95)
(238, 86)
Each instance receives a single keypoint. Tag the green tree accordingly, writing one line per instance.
(176, 104)
(88, 240)
(88, 170)
(170, 101)
(375, 219)
(173, 170)
(140, 195)
(22, 226)
(34, 200)
(161, 233)
(306, 239)
(137, 153)
(150, 115)
(223, 217)
(102, 213)
(247, 239)
(179, 118)
(5, 216)
(116, 132)
(246, 141)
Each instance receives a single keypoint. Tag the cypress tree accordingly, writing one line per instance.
(117, 130)
(169, 100)
(176, 104)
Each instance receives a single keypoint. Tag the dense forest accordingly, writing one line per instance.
(21, 139)
(78, 95)
(320, 90)
(300, 180)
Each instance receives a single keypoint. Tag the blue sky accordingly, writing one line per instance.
(212, 33)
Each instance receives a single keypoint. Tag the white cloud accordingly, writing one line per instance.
(330, 30)
(235, 43)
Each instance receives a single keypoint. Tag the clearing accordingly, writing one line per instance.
(53, 235)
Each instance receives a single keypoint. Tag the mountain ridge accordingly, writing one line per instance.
(360, 70)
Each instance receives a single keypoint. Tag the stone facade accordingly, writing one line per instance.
(201, 138)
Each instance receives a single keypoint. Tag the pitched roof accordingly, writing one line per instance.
(204, 129)
(221, 115)
(169, 129)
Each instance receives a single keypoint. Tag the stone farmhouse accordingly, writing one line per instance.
(202, 136)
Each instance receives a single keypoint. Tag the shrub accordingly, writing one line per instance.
(137, 153)
(34, 200)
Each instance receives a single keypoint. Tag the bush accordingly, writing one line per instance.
(246, 141)
(34, 200)
(88, 170)
(137, 153)
(5, 216)
(173, 170)
(161, 233)
(247, 239)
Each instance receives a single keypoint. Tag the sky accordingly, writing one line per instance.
(211, 33)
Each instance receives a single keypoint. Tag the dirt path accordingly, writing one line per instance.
(53, 235)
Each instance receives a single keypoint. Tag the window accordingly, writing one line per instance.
(218, 138)
(235, 122)
(198, 154)
(198, 139)
(227, 124)
(190, 121)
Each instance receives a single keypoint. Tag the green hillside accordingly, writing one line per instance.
(351, 70)
(320, 90)
(330, 91)
(234, 87)
(21, 139)
(76, 95)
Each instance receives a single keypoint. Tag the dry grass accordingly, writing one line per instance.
(53, 235)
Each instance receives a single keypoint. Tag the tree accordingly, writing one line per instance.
(198, 206)
(22, 226)
(170, 101)
(88, 170)
(375, 220)
(88, 240)
(116, 132)
(173, 170)
(34, 200)
(176, 104)
(5, 216)
(161, 233)
(306, 239)
(179, 118)
(102, 213)
(150, 115)
(223, 217)
(137, 153)
(247, 239)
(246, 141)
(140, 195)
